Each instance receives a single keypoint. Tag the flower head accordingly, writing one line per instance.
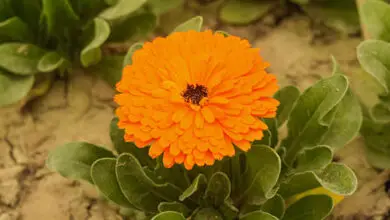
(193, 96)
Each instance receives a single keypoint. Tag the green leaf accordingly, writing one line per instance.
(162, 6)
(139, 188)
(50, 62)
(28, 11)
(298, 183)
(196, 189)
(88, 9)
(374, 57)
(375, 15)
(6, 9)
(122, 9)
(228, 210)
(258, 215)
(340, 15)
(74, 159)
(121, 146)
(138, 25)
(59, 15)
(287, 97)
(346, 123)
(14, 29)
(377, 143)
(129, 56)
(14, 88)
(312, 115)
(169, 215)
(218, 189)
(338, 178)
(273, 129)
(19, 58)
(315, 158)
(208, 213)
(310, 208)
(109, 69)
(104, 178)
(91, 53)
(274, 206)
(262, 175)
(244, 12)
(174, 206)
(194, 23)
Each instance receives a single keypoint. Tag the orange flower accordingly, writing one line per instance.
(192, 96)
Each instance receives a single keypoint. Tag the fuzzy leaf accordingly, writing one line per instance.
(374, 57)
(347, 118)
(309, 208)
(375, 15)
(274, 206)
(74, 159)
(218, 189)
(121, 146)
(315, 158)
(229, 211)
(138, 25)
(19, 58)
(91, 53)
(338, 178)
(287, 97)
(298, 183)
(50, 62)
(14, 88)
(162, 6)
(244, 12)
(377, 143)
(14, 29)
(174, 206)
(104, 177)
(208, 213)
(129, 56)
(262, 174)
(197, 187)
(58, 14)
(169, 215)
(122, 9)
(194, 23)
(312, 115)
(139, 188)
(258, 215)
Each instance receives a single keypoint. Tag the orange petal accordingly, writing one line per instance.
(208, 114)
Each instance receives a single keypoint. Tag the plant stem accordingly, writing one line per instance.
(359, 4)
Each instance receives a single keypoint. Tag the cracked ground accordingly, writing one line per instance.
(80, 109)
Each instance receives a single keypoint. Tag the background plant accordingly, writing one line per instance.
(41, 37)
(294, 178)
(340, 15)
(374, 83)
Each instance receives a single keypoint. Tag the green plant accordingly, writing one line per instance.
(340, 15)
(40, 37)
(270, 181)
(374, 57)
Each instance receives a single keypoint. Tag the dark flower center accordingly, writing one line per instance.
(194, 93)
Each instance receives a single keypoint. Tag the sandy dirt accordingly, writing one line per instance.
(80, 109)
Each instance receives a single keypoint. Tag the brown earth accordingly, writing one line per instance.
(80, 109)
